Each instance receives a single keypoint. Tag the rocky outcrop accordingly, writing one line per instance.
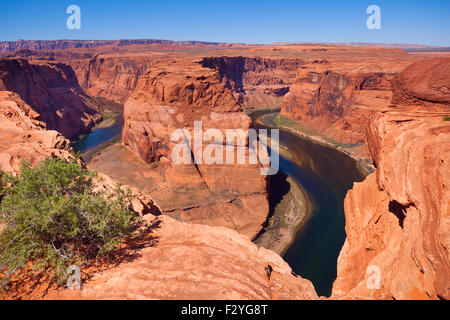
(397, 221)
(141, 203)
(52, 90)
(188, 261)
(23, 137)
(423, 83)
(172, 97)
(166, 100)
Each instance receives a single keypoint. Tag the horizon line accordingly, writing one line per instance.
(239, 43)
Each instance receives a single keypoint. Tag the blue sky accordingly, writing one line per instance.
(262, 21)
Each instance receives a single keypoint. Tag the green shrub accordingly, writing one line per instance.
(446, 118)
(53, 218)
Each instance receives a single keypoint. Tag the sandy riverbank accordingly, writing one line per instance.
(290, 214)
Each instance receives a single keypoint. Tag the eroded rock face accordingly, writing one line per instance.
(52, 90)
(335, 94)
(397, 221)
(22, 137)
(141, 204)
(188, 261)
(174, 96)
(330, 101)
(112, 77)
(255, 81)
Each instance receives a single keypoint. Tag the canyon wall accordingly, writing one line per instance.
(397, 220)
(112, 73)
(255, 81)
(336, 91)
(335, 102)
(109, 76)
(52, 90)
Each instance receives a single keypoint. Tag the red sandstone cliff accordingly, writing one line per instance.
(398, 219)
(189, 261)
(52, 90)
(337, 103)
(423, 83)
(254, 81)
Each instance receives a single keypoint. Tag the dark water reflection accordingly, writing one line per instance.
(98, 136)
(326, 175)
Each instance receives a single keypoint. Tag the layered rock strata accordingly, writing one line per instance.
(397, 221)
(109, 76)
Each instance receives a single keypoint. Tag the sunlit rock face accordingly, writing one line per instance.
(397, 221)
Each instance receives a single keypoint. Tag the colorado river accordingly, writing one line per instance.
(326, 175)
